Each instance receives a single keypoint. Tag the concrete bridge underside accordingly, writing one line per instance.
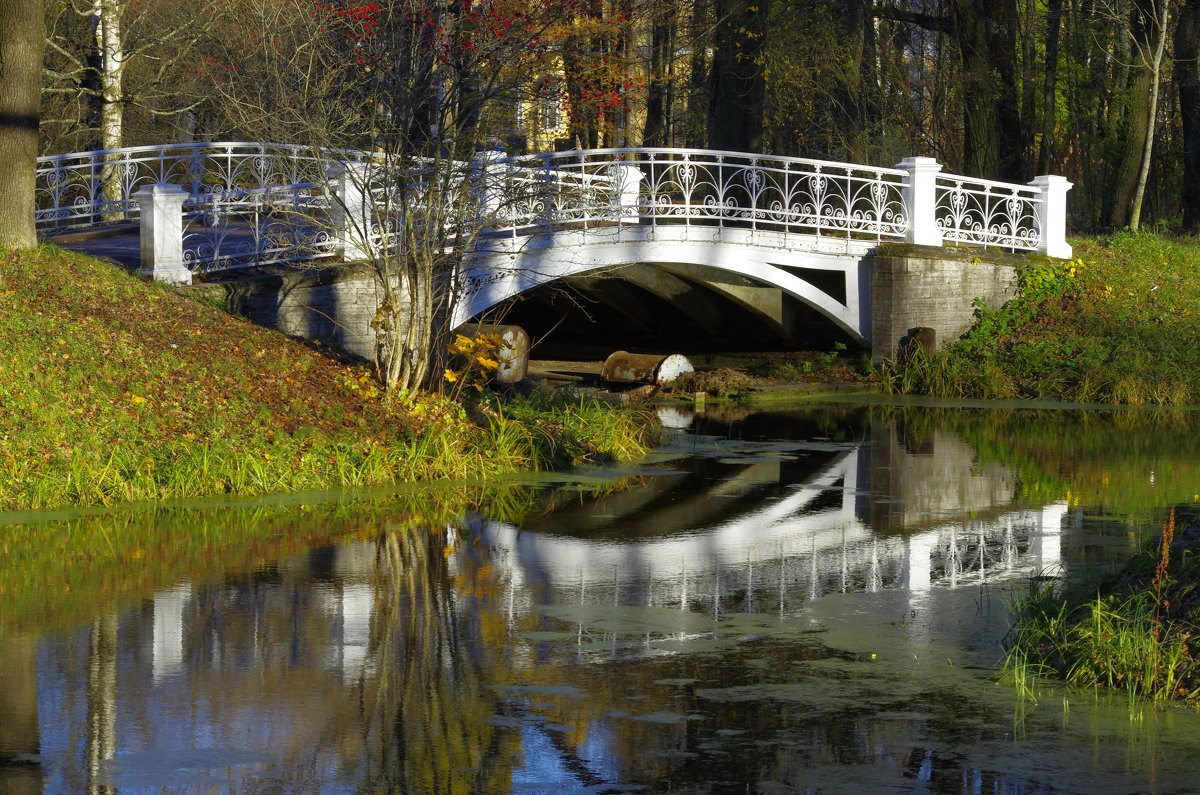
(682, 306)
(721, 288)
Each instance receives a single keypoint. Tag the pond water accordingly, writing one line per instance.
(802, 600)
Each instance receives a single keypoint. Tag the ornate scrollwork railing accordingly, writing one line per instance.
(704, 188)
(987, 213)
(251, 203)
(87, 188)
(237, 229)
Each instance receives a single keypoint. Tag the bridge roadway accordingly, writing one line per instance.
(752, 229)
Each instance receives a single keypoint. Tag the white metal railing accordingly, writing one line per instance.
(88, 188)
(988, 213)
(251, 203)
(659, 186)
(232, 229)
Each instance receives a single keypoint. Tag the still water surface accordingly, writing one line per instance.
(789, 601)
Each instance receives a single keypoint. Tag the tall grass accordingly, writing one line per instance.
(1136, 635)
(516, 434)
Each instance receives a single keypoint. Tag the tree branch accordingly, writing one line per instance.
(921, 20)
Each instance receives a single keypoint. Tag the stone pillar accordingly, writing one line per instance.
(162, 232)
(350, 216)
(933, 288)
(1050, 215)
(920, 201)
(490, 173)
(626, 185)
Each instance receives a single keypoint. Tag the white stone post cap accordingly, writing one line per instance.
(919, 163)
(163, 189)
(1052, 180)
(489, 155)
(347, 167)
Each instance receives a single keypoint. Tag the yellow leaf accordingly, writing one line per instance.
(136, 399)
(450, 375)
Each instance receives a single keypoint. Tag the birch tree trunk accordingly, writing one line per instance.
(1135, 214)
(22, 40)
(1138, 44)
(106, 29)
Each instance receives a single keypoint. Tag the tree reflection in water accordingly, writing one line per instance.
(762, 613)
(427, 711)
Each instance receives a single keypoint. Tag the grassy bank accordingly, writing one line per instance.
(1137, 632)
(1115, 325)
(114, 389)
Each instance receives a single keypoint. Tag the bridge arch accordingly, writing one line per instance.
(508, 267)
(803, 228)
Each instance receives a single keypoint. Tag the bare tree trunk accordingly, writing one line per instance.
(992, 131)
(22, 41)
(854, 95)
(1135, 215)
(737, 85)
(1187, 76)
(658, 107)
(696, 132)
(1050, 87)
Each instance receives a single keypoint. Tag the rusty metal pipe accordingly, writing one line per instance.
(644, 368)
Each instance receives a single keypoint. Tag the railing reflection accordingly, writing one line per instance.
(460, 658)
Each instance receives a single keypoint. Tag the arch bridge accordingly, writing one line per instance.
(753, 228)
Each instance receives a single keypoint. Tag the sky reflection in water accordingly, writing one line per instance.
(797, 602)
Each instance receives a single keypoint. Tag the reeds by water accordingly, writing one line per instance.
(1136, 634)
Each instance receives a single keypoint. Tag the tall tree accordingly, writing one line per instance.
(111, 59)
(1187, 77)
(1142, 40)
(854, 92)
(1054, 13)
(737, 82)
(986, 33)
(664, 21)
(22, 41)
(422, 85)
(1154, 63)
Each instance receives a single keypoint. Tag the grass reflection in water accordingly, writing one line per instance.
(817, 612)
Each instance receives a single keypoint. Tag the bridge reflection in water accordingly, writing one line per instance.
(399, 661)
(768, 536)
